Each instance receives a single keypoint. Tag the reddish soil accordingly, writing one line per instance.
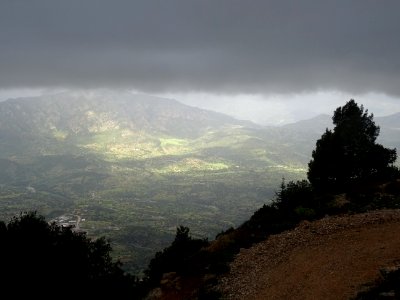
(332, 258)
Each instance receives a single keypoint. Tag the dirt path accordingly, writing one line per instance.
(328, 259)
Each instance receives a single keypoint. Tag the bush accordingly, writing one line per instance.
(179, 257)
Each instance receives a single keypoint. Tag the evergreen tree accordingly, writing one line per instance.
(349, 154)
(178, 257)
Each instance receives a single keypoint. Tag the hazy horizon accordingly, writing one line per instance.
(271, 111)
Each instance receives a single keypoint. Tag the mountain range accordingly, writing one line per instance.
(133, 167)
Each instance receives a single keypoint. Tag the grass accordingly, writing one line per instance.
(192, 165)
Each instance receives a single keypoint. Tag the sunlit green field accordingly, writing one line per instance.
(135, 186)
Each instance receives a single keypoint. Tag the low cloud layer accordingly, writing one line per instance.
(225, 46)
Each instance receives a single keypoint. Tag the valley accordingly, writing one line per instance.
(134, 167)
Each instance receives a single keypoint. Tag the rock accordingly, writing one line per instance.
(154, 294)
(171, 281)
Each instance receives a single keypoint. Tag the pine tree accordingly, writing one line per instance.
(349, 154)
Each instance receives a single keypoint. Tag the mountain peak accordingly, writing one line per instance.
(134, 111)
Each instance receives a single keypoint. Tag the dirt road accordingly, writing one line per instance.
(327, 259)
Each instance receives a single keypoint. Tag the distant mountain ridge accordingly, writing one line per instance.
(136, 166)
(73, 112)
(42, 122)
(390, 131)
(65, 115)
(305, 133)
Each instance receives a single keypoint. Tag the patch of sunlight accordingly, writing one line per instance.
(173, 146)
(293, 169)
(192, 164)
(59, 134)
(100, 122)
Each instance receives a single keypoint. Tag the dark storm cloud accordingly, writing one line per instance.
(217, 46)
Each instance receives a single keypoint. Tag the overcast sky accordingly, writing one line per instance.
(264, 60)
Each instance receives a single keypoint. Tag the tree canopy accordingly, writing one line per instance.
(349, 154)
(177, 257)
(43, 260)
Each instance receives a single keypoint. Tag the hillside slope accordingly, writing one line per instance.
(332, 258)
(134, 167)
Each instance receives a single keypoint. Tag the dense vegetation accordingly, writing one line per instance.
(368, 182)
(177, 257)
(133, 168)
(42, 260)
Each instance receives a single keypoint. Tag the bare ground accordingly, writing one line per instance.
(331, 258)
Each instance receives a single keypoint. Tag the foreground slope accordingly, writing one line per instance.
(332, 258)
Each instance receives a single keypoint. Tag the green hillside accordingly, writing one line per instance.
(133, 167)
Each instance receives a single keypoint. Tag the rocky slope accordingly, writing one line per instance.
(332, 258)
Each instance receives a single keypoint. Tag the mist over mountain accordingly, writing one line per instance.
(77, 114)
(303, 134)
(133, 167)
(390, 131)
